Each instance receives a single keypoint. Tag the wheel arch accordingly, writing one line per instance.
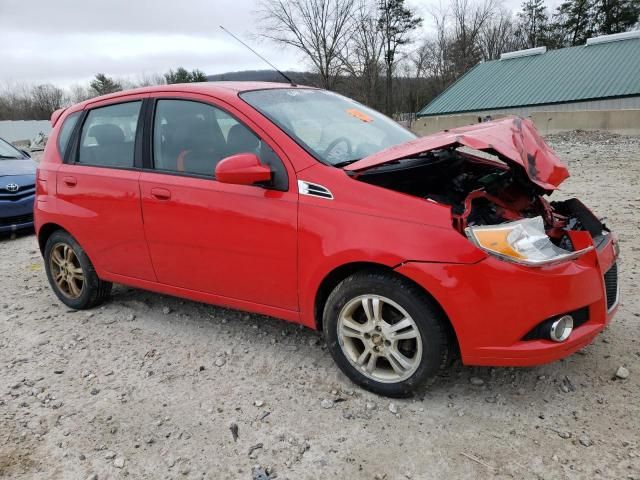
(45, 232)
(343, 271)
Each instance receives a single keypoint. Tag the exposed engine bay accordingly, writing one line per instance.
(483, 190)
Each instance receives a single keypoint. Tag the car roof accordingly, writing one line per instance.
(206, 88)
(201, 87)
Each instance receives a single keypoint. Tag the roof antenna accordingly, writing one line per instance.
(291, 82)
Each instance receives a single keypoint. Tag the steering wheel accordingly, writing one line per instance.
(335, 143)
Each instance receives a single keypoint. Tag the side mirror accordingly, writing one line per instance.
(242, 169)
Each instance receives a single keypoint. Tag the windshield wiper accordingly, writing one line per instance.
(9, 157)
(345, 163)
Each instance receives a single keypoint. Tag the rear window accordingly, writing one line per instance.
(108, 135)
(65, 132)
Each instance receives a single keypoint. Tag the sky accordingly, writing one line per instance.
(67, 42)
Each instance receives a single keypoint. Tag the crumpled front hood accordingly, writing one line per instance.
(513, 139)
(20, 166)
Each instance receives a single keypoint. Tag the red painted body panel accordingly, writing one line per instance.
(104, 208)
(514, 139)
(269, 251)
(236, 241)
(490, 332)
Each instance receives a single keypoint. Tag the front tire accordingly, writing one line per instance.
(385, 333)
(71, 273)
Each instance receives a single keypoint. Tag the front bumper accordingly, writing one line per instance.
(493, 304)
(16, 215)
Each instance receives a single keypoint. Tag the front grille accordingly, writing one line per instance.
(611, 286)
(24, 191)
(16, 220)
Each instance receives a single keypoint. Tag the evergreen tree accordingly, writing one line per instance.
(102, 85)
(575, 21)
(182, 75)
(534, 23)
(616, 16)
(395, 22)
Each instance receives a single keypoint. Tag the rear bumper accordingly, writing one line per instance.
(16, 215)
(493, 304)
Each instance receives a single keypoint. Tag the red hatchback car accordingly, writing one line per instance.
(302, 204)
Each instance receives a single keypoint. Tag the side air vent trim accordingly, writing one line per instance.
(314, 190)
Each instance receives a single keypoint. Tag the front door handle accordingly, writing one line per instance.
(70, 181)
(161, 193)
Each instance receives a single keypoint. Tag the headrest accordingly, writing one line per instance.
(106, 134)
(240, 140)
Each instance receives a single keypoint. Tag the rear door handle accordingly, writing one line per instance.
(70, 181)
(161, 193)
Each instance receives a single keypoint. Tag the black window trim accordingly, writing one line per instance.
(72, 155)
(64, 149)
(148, 160)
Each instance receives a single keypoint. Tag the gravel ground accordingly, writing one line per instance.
(151, 387)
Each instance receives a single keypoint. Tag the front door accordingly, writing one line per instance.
(99, 194)
(234, 241)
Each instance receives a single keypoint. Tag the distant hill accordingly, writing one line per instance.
(304, 78)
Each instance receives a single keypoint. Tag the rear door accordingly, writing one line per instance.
(98, 191)
(235, 241)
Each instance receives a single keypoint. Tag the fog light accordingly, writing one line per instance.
(561, 328)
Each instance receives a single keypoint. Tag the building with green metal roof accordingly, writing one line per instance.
(603, 74)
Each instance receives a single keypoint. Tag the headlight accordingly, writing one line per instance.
(523, 241)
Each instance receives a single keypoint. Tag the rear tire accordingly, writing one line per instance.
(361, 323)
(71, 274)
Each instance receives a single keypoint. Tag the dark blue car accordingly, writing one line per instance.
(17, 188)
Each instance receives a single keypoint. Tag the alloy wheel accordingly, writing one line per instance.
(379, 338)
(66, 270)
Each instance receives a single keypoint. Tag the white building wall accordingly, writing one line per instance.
(13, 130)
(626, 103)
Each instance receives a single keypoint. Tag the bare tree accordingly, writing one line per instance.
(148, 80)
(468, 20)
(320, 29)
(79, 93)
(438, 51)
(363, 53)
(24, 102)
(497, 36)
(47, 99)
(396, 22)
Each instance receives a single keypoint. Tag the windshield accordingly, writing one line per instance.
(334, 129)
(8, 151)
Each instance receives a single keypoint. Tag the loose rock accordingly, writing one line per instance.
(326, 403)
(585, 441)
(622, 373)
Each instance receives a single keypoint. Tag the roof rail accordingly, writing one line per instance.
(614, 37)
(523, 53)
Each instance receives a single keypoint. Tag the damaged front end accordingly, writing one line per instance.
(495, 177)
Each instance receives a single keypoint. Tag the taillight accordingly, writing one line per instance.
(41, 183)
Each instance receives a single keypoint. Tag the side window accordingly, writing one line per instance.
(192, 137)
(108, 135)
(65, 132)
